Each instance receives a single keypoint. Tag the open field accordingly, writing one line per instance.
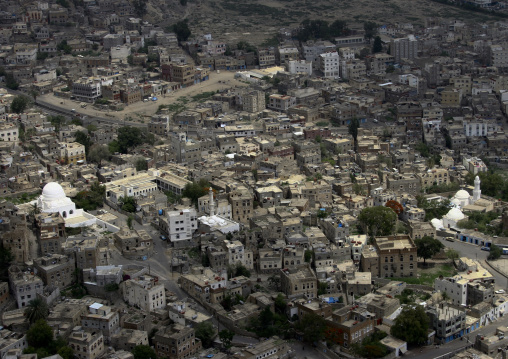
(428, 275)
(258, 21)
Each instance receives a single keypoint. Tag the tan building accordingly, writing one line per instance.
(451, 97)
(86, 345)
(72, 153)
(435, 176)
(50, 232)
(144, 293)
(85, 251)
(299, 282)
(128, 339)
(419, 229)
(242, 205)
(397, 256)
(102, 318)
(17, 241)
(176, 342)
(55, 270)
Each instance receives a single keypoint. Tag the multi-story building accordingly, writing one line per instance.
(299, 67)
(397, 256)
(176, 342)
(87, 89)
(242, 205)
(181, 73)
(448, 321)
(4, 293)
(329, 64)
(72, 153)
(286, 54)
(266, 58)
(17, 241)
(253, 101)
(498, 56)
(86, 252)
(24, 285)
(404, 48)
(281, 102)
(86, 345)
(435, 176)
(128, 339)
(205, 286)
(102, 318)
(299, 282)
(181, 224)
(8, 132)
(144, 293)
(403, 183)
(55, 270)
(269, 260)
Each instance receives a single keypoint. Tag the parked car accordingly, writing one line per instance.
(500, 291)
(486, 249)
(164, 238)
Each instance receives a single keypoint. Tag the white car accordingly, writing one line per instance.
(500, 291)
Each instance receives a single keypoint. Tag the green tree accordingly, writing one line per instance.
(195, 190)
(129, 137)
(140, 7)
(144, 352)
(280, 304)
(427, 246)
(141, 164)
(312, 327)
(6, 258)
(377, 221)
(495, 252)
(40, 334)
(66, 352)
(91, 199)
(308, 256)
(353, 128)
(10, 82)
(182, 31)
(205, 332)
(226, 337)
(370, 29)
(57, 121)
(378, 45)
(36, 309)
(20, 103)
(84, 139)
(63, 46)
(129, 222)
(128, 204)
(452, 254)
(98, 153)
(114, 147)
(411, 325)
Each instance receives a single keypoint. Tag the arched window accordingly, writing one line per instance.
(71, 211)
(64, 214)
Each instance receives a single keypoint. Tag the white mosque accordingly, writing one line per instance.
(460, 200)
(217, 222)
(53, 199)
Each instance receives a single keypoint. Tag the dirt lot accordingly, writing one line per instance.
(139, 110)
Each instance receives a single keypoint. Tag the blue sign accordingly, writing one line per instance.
(145, 258)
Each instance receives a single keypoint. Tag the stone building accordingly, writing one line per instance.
(176, 342)
(55, 270)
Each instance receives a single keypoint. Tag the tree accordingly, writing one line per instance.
(378, 45)
(128, 204)
(36, 309)
(40, 334)
(427, 246)
(308, 256)
(226, 337)
(63, 46)
(6, 258)
(182, 31)
(411, 325)
(98, 153)
(10, 82)
(91, 199)
(141, 164)
(452, 254)
(495, 252)
(379, 220)
(140, 7)
(353, 128)
(19, 104)
(129, 137)
(280, 304)
(57, 121)
(66, 352)
(195, 190)
(205, 332)
(129, 222)
(370, 29)
(84, 139)
(144, 352)
(312, 327)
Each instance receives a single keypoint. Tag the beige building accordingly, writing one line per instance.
(144, 293)
(86, 345)
(102, 318)
(397, 256)
(299, 282)
(72, 153)
(128, 339)
(242, 205)
(55, 270)
(176, 342)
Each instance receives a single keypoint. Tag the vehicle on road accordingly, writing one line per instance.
(449, 239)
(500, 291)
(163, 238)
(485, 249)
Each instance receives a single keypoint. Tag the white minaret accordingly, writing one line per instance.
(477, 192)
(211, 203)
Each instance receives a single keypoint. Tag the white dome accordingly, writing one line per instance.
(455, 201)
(462, 194)
(437, 223)
(455, 214)
(53, 191)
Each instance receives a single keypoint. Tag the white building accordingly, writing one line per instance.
(330, 64)
(300, 66)
(312, 50)
(475, 127)
(144, 293)
(9, 132)
(53, 200)
(102, 318)
(24, 286)
(181, 225)
(454, 287)
(280, 102)
(404, 48)
(87, 89)
(237, 253)
(217, 222)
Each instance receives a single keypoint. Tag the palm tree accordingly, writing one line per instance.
(36, 309)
